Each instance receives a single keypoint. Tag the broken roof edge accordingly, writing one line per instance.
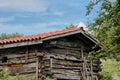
(39, 38)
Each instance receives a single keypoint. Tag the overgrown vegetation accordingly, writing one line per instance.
(6, 76)
(106, 27)
(106, 76)
(110, 69)
(7, 36)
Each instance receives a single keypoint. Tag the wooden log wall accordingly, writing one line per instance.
(66, 62)
(19, 61)
(61, 59)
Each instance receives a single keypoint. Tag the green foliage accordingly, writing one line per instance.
(107, 27)
(110, 69)
(106, 76)
(6, 76)
(6, 36)
(90, 6)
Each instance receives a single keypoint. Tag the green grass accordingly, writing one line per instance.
(111, 67)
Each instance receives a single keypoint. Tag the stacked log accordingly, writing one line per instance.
(61, 61)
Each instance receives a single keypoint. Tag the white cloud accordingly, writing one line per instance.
(53, 13)
(6, 19)
(81, 24)
(23, 5)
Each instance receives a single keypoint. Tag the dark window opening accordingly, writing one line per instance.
(4, 59)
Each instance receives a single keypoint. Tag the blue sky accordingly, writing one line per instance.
(38, 16)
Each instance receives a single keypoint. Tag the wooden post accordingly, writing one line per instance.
(51, 62)
(82, 52)
(36, 52)
(37, 65)
(37, 68)
(26, 58)
(91, 70)
(83, 67)
(40, 67)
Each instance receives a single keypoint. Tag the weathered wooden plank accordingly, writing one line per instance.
(37, 69)
(4, 46)
(59, 60)
(26, 57)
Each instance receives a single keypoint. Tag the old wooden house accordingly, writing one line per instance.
(61, 54)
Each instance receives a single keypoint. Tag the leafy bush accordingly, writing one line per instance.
(110, 69)
(6, 76)
(106, 76)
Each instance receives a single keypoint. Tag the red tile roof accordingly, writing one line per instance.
(38, 36)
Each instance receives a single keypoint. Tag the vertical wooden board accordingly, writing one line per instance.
(26, 57)
(37, 69)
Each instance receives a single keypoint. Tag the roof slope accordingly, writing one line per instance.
(38, 36)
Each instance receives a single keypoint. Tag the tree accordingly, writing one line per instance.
(7, 36)
(106, 27)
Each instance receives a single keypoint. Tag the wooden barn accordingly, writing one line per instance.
(61, 54)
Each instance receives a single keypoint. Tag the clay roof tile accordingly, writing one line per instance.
(38, 36)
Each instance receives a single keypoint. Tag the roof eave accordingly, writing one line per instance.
(40, 41)
(27, 43)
